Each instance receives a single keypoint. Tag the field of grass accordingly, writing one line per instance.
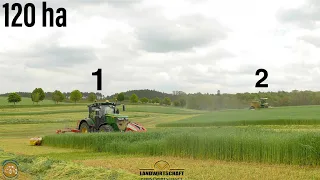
(161, 109)
(307, 115)
(282, 143)
(226, 143)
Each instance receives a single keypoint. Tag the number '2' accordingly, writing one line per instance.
(265, 75)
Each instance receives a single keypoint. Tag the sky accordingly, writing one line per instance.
(191, 46)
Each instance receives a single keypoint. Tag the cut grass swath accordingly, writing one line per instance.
(241, 123)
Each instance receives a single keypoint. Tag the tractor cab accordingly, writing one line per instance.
(263, 102)
(102, 109)
(110, 109)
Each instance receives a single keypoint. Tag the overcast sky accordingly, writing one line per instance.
(190, 45)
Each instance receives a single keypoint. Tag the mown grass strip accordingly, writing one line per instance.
(230, 144)
(41, 105)
(281, 116)
(35, 121)
(242, 123)
(41, 112)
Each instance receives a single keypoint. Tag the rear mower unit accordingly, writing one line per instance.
(104, 117)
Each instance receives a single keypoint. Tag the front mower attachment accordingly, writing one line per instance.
(67, 130)
(135, 127)
(36, 141)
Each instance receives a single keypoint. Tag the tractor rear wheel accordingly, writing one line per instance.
(105, 128)
(84, 128)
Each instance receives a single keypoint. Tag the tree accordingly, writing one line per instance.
(120, 97)
(167, 101)
(42, 95)
(183, 102)
(144, 100)
(75, 96)
(36, 97)
(92, 97)
(284, 101)
(14, 98)
(156, 100)
(176, 103)
(57, 96)
(134, 98)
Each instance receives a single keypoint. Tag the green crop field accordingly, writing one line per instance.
(282, 143)
(274, 116)
(232, 144)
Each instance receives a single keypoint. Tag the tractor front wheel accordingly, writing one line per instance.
(84, 128)
(105, 128)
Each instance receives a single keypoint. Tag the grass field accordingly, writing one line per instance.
(226, 143)
(305, 115)
(282, 143)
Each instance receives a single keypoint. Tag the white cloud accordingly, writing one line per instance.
(193, 46)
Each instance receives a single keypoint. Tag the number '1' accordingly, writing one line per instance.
(99, 81)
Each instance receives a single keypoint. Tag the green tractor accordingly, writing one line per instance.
(104, 117)
(262, 103)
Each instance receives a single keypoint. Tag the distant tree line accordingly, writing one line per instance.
(242, 100)
(150, 94)
(218, 100)
(48, 95)
(201, 101)
(38, 95)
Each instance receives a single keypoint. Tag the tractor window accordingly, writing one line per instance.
(97, 112)
(109, 110)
